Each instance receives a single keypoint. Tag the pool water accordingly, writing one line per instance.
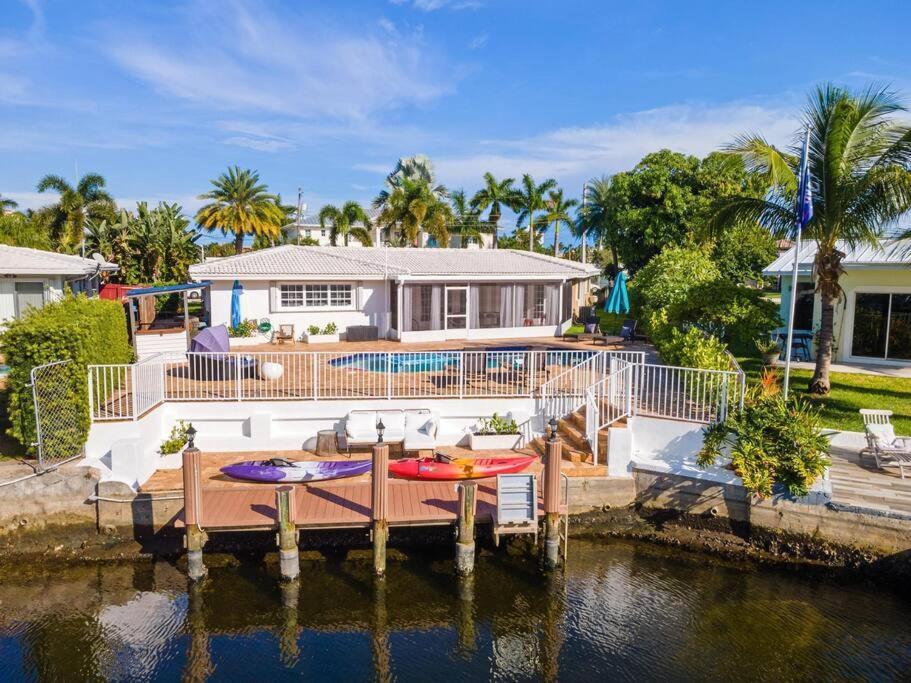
(621, 611)
(435, 361)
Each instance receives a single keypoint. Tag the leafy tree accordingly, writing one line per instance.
(529, 200)
(466, 220)
(414, 207)
(417, 169)
(240, 204)
(557, 212)
(66, 218)
(19, 230)
(494, 196)
(344, 222)
(7, 205)
(858, 158)
(743, 251)
(519, 240)
(598, 217)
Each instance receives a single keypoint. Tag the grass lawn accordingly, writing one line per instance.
(610, 323)
(850, 393)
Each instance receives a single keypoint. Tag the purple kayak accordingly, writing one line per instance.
(279, 469)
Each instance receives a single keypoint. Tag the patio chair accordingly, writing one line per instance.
(872, 416)
(628, 330)
(282, 334)
(887, 449)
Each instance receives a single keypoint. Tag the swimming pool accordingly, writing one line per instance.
(436, 361)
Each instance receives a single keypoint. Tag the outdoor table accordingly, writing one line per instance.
(326, 442)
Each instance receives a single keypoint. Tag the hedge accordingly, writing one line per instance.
(84, 331)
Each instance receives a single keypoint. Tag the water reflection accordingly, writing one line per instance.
(620, 611)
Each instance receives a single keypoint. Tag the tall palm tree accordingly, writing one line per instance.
(344, 221)
(494, 196)
(241, 204)
(416, 169)
(858, 160)
(414, 207)
(7, 205)
(66, 219)
(558, 211)
(529, 200)
(466, 219)
(598, 216)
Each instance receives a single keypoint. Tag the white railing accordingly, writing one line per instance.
(127, 391)
(608, 401)
(688, 394)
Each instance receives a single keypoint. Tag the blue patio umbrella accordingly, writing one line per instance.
(236, 291)
(618, 299)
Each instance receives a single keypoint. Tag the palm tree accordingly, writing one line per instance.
(529, 199)
(241, 204)
(414, 207)
(343, 221)
(495, 195)
(858, 157)
(66, 219)
(466, 219)
(559, 212)
(7, 205)
(417, 169)
(598, 216)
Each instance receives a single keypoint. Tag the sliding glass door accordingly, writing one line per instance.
(882, 326)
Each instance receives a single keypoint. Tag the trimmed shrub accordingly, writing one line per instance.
(84, 331)
(694, 349)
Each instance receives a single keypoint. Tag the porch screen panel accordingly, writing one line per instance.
(421, 308)
(536, 304)
(409, 324)
(552, 305)
(900, 327)
(519, 306)
(485, 306)
(436, 307)
(871, 312)
(506, 309)
(474, 306)
(567, 311)
(394, 305)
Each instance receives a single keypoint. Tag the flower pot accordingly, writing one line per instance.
(486, 442)
(769, 358)
(320, 338)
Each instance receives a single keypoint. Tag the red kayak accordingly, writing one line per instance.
(458, 468)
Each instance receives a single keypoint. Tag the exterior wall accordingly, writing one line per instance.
(257, 302)
(53, 291)
(150, 343)
(482, 333)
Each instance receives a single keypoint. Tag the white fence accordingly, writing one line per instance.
(688, 394)
(607, 401)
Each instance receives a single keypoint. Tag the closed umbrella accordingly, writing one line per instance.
(236, 291)
(618, 299)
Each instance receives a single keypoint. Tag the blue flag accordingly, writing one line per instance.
(804, 188)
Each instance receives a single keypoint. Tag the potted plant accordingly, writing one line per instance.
(248, 333)
(495, 432)
(769, 349)
(326, 335)
(176, 441)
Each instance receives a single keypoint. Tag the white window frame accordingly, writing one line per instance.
(278, 306)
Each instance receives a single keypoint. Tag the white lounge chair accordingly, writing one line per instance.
(887, 449)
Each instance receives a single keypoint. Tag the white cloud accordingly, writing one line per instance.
(292, 65)
(574, 154)
(478, 41)
(434, 5)
(259, 144)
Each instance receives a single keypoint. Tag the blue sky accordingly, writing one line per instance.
(161, 96)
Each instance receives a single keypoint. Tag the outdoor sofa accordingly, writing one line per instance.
(415, 429)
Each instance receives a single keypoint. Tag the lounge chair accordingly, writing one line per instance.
(875, 417)
(887, 449)
(282, 334)
(628, 330)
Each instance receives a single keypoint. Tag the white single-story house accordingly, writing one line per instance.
(407, 294)
(873, 319)
(30, 278)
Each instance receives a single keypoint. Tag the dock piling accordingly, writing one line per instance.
(288, 556)
(379, 506)
(192, 498)
(553, 454)
(465, 546)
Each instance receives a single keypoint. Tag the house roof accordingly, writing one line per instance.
(25, 261)
(293, 261)
(310, 221)
(887, 254)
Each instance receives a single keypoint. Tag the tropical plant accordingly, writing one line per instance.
(497, 425)
(7, 204)
(693, 349)
(176, 440)
(528, 201)
(771, 441)
(19, 230)
(330, 328)
(413, 207)
(858, 158)
(558, 211)
(494, 196)
(416, 169)
(246, 328)
(598, 217)
(66, 218)
(241, 205)
(466, 220)
(344, 221)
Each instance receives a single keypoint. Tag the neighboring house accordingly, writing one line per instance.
(873, 319)
(309, 227)
(408, 294)
(30, 278)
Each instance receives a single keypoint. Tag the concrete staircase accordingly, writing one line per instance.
(577, 456)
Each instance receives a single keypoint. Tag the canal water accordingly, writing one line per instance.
(620, 612)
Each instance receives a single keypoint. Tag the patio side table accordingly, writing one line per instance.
(326, 442)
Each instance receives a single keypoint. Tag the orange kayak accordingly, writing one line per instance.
(459, 468)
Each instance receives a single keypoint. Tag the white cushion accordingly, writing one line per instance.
(417, 441)
(415, 420)
(361, 423)
(884, 433)
(394, 420)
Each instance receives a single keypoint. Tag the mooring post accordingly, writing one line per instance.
(288, 557)
(379, 506)
(553, 454)
(192, 504)
(464, 555)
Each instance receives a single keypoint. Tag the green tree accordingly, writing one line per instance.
(19, 230)
(414, 207)
(466, 220)
(241, 205)
(743, 251)
(529, 200)
(858, 157)
(558, 212)
(417, 169)
(66, 218)
(598, 217)
(344, 221)
(7, 205)
(494, 196)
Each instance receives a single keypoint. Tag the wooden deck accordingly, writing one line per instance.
(857, 481)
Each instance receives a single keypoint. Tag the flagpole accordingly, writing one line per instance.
(798, 219)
